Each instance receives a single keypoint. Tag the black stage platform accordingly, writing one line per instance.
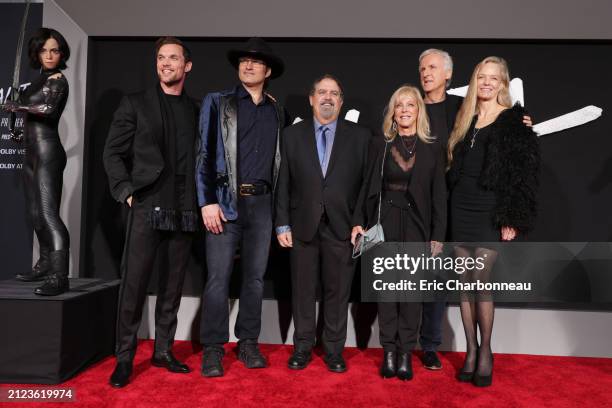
(46, 340)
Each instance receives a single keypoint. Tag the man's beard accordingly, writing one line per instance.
(327, 112)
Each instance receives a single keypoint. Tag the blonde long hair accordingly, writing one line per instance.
(422, 123)
(469, 107)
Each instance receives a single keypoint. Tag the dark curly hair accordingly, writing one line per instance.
(37, 41)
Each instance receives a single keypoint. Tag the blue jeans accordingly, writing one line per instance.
(251, 232)
(431, 326)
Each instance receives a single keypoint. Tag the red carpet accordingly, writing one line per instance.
(519, 381)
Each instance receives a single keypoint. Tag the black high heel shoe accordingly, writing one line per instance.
(483, 380)
(388, 368)
(467, 376)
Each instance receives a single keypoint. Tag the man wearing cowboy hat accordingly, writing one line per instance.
(237, 167)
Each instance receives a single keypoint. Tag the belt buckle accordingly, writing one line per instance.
(247, 189)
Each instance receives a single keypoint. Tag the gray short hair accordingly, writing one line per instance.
(448, 61)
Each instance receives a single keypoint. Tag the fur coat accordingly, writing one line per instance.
(510, 169)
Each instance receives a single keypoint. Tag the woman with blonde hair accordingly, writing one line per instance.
(413, 209)
(493, 171)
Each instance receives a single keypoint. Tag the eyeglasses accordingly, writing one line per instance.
(247, 60)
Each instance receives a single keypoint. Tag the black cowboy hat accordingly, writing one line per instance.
(257, 48)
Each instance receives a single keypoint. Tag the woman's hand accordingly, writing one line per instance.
(357, 229)
(508, 233)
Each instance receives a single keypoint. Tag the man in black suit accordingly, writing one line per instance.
(435, 72)
(322, 174)
(149, 160)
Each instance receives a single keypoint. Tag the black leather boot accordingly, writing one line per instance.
(39, 271)
(56, 282)
(404, 366)
(388, 369)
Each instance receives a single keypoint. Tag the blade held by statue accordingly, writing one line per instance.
(16, 134)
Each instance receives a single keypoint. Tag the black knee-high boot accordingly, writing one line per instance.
(56, 281)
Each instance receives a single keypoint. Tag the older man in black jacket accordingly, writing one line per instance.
(323, 170)
(149, 160)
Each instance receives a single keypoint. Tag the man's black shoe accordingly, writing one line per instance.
(431, 361)
(121, 376)
(169, 362)
(299, 360)
(404, 366)
(388, 369)
(335, 363)
(211, 362)
(250, 355)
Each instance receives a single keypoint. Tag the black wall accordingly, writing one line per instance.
(15, 227)
(576, 188)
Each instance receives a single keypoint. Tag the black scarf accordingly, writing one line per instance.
(170, 212)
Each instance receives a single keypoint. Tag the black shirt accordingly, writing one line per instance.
(257, 134)
(438, 121)
(184, 128)
(399, 163)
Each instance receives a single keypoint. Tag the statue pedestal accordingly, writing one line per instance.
(47, 340)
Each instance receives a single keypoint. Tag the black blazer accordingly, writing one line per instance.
(133, 157)
(303, 194)
(427, 186)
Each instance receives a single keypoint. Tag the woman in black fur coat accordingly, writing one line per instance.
(493, 172)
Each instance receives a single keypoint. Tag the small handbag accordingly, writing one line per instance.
(374, 235)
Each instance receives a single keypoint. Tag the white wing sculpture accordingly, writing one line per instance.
(567, 121)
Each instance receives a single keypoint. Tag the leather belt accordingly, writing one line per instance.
(253, 189)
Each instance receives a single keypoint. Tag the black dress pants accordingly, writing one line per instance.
(141, 247)
(330, 258)
(398, 322)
